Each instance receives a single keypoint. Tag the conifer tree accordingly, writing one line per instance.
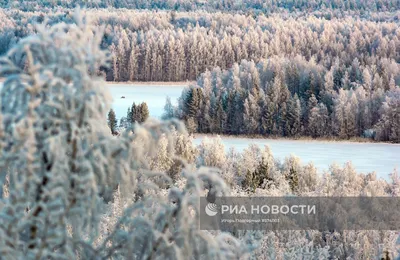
(132, 64)
(132, 114)
(143, 112)
(293, 122)
(168, 109)
(314, 121)
(311, 104)
(112, 121)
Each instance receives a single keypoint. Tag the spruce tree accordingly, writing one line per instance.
(293, 79)
(112, 121)
(142, 113)
(314, 122)
(312, 103)
(293, 122)
(168, 109)
(194, 100)
(132, 114)
(219, 118)
(190, 103)
(230, 115)
(264, 117)
(309, 86)
(293, 178)
(338, 79)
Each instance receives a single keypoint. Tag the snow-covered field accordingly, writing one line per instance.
(366, 157)
(154, 95)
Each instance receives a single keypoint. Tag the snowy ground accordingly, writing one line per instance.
(365, 157)
(154, 95)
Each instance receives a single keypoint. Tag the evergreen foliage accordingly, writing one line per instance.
(252, 7)
(277, 108)
(137, 113)
(112, 121)
(149, 46)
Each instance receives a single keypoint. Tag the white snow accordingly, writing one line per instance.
(365, 157)
(154, 95)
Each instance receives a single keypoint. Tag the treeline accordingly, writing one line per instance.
(179, 46)
(213, 5)
(294, 97)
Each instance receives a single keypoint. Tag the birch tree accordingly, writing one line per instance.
(61, 161)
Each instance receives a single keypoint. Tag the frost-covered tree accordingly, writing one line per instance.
(211, 152)
(251, 115)
(388, 127)
(293, 122)
(261, 100)
(138, 113)
(61, 161)
(112, 121)
(395, 183)
(251, 7)
(132, 64)
(168, 109)
(163, 159)
(143, 112)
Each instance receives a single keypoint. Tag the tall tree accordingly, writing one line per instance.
(311, 104)
(251, 115)
(132, 114)
(293, 122)
(193, 99)
(168, 109)
(112, 121)
(314, 122)
(388, 127)
(132, 64)
(293, 77)
(309, 86)
(340, 114)
(142, 112)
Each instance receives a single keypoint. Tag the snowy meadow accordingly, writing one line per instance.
(154, 95)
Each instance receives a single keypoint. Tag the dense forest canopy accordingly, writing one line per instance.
(176, 46)
(292, 98)
(339, 67)
(213, 5)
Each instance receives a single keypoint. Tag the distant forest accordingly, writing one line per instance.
(327, 68)
(213, 5)
(291, 98)
(179, 46)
